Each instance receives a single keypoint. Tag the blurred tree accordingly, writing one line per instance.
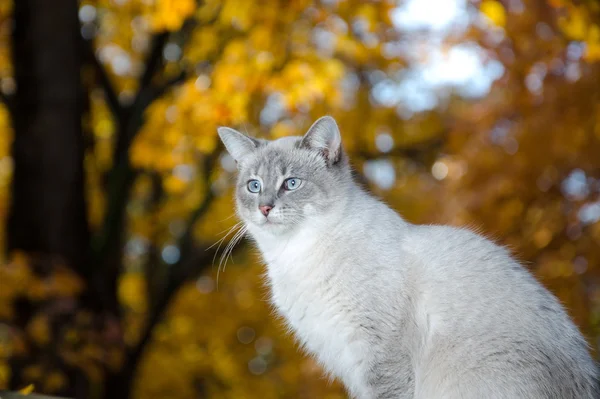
(48, 212)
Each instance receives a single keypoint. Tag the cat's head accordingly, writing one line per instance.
(285, 183)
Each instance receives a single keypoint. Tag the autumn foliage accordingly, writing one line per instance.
(153, 312)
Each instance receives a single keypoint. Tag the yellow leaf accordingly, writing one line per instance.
(27, 390)
(575, 27)
(170, 14)
(592, 49)
(592, 52)
(174, 185)
(494, 11)
(132, 291)
(237, 13)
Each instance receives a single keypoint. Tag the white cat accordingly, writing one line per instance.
(397, 310)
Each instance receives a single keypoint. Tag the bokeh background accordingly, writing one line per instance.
(114, 187)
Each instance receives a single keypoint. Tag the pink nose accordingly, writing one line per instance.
(265, 209)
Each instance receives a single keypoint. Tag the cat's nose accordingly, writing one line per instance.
(265, 209)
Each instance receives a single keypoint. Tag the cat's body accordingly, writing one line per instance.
(393, 309)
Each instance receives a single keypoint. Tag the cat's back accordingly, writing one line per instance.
(482, 312)
(478, 282)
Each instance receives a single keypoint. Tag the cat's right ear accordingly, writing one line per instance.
(238, 145)
(324, 136)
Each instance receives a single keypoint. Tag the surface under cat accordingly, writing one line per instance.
(392, 309)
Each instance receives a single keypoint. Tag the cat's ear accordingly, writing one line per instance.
(324, 136)
(238, 145)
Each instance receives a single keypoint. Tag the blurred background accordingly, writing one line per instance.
(114, 187)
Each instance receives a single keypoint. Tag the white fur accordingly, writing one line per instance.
(397, 310)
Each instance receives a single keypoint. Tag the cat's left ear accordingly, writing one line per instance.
(324, 136)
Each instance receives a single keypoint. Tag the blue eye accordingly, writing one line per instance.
(292, 183)
(254, 186)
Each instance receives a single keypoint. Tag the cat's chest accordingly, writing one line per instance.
(318, 305)
(302, 283)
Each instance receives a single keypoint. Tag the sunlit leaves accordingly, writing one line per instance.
(132, 291)
(575, 25)
(494, 11)
(27, 390)
(170, 14)
(304, 83)
(592, 51)
(55, 294)
(238, 13)
(581, 22)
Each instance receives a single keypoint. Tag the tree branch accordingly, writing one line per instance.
(193, 266)
(190, 264)
(145, 97)
(120, 184)
(111, 96)
(153, 61)
(122, 174)
(185, 242)
(154, 270)
(132, 120)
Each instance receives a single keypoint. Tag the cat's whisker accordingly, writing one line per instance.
(229, 249)
(228, 230)
(235, 228)
(232, 245)
(228, 217)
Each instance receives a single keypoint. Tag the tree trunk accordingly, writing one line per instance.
(48, 211)
(47, 217)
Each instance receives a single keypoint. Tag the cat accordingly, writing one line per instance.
(393, 309)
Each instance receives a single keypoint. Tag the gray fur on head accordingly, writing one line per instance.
(316, 159)
(397, 310)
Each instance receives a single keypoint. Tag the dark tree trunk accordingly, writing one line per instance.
(47, 217)
(48, 212)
